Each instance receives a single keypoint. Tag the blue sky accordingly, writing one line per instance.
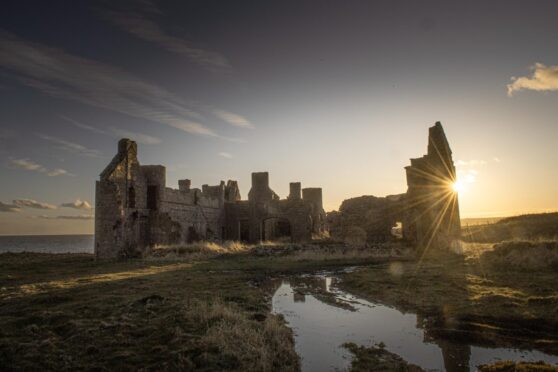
(332, 94)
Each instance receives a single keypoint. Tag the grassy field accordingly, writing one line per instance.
(182, 308)
(525, 227)
(468, 298)
(207, 307)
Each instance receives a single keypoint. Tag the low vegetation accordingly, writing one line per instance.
(463, 298)
(526, 227)
(137, 314)
(207, 306)
(508, 366)
(325, 250)
(377, 359)
(523, 255)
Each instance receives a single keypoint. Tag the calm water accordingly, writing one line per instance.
(47, 243)
(320, 330)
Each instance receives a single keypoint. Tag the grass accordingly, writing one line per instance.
(508, 366)
(203, 306)
(207, 306)
(523, 255)
(377, 359)
(525, 227)
(461, 298)
(138, 314)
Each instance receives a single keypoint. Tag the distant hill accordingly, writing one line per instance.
(524, 227)
(479, 221)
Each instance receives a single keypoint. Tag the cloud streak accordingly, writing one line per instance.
(116, 132)
(9, 208)
(71, 146)
(62, 75)
(225, 155)
(544, 78)
(30, 165)
(138, 137)
(233, 119)
(77, 204)
(30, 203)
(140, 26)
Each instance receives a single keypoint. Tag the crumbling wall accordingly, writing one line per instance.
(371, 218)
(120, 205)
(135, 209)
(313, 196)
(432, 209)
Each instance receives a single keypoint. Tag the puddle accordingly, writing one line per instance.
(322, 325)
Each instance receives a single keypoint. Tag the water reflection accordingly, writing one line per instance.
(323, 318)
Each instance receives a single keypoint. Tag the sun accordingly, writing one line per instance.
(458, 186)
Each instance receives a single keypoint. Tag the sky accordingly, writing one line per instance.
(334, 94)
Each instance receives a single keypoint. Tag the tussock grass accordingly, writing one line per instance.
(166, 316)
(245, 341)
(198, 250)
(315, 251)
(523, 255)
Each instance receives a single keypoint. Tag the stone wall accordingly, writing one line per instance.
(432, 214)
(135, 210)
(371, 217)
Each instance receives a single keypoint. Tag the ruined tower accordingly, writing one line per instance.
(431, 215)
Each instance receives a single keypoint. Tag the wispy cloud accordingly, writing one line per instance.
(225, 155)
(71, 146)
(30, 203)
(77, 217)
(140, 24)
(58, 172)
(138, 137)
(233, 119)
(30, 165)
(544, 78)
(62, 75)
(77, 204)
(116, 132)
(11, 208)
(84, 126)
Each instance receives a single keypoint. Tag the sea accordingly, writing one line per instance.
(46, 243)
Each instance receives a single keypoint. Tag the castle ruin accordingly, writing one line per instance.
(135, 210)
(428, 213)
(431, 211)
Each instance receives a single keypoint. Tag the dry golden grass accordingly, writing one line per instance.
(523, 255)
(315, 251)
(256, 348)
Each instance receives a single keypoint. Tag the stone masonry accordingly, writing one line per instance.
(428, 212)
(135, 210)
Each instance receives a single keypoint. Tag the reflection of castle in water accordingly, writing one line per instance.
(456, 355)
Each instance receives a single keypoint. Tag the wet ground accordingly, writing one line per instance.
(324, 318)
